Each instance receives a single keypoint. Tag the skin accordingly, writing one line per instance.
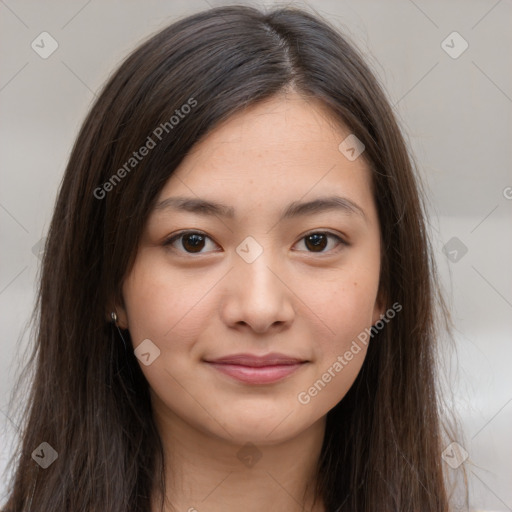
(291, 299)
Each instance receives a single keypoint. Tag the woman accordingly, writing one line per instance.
(238, 298)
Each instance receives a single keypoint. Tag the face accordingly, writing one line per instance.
(215, 289)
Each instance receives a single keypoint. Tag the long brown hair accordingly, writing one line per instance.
(88, 397)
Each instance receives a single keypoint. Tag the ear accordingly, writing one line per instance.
(117, 307)
(122, 317)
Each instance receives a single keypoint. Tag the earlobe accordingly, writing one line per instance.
(122, 320)
(117, 315)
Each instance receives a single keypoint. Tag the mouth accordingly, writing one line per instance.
(252, 369)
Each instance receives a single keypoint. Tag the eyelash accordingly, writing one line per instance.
(169, 241)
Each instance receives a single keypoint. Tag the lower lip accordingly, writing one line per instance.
(257, 375)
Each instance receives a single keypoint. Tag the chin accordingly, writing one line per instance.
(255, 427)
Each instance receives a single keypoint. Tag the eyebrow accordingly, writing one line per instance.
(322, 204)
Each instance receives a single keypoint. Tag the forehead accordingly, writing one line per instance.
(283, 125)
(279, 150)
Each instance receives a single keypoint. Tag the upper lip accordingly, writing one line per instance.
(272, 359)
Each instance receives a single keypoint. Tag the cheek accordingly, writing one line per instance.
(163, 304)
(341, 347)
(351, 304)
(347, 315)
(346, 305)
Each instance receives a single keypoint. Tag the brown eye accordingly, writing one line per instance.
(192, 242)
(318, 241)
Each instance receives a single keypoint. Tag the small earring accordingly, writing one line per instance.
(113, 316)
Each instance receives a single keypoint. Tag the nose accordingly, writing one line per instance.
(257, 296)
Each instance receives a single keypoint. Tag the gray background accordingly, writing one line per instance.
(456, 113)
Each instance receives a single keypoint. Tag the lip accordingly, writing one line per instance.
(256, 361)
(253, 369)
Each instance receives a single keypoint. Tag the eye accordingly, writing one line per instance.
(191, 241)
(319, 240)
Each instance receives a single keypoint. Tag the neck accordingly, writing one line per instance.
(206, 473)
